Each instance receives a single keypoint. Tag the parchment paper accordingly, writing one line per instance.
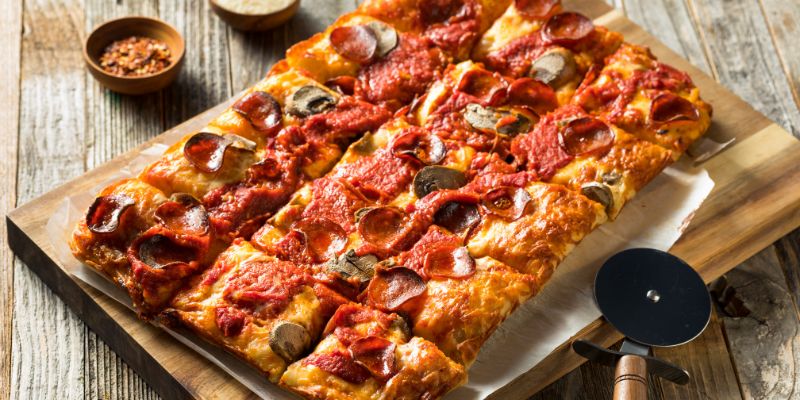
(655, 218)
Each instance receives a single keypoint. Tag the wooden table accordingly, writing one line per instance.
(60, 122)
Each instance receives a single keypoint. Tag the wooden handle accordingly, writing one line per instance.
(630, 378)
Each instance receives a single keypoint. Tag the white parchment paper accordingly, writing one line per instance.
(655, 218)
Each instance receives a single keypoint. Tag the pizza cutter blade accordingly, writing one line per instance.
(654, 299)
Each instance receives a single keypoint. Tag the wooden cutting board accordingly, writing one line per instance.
(755, 201)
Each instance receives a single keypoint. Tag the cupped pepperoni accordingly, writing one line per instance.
(391, 288)
(537, 9)
(586, 135)
(322, 237)
(183, 214)
(344, 84)
(381, 226)
(420, 145)
(567, 28)
(449, 261)
(668, 107)
(206, 151)
(376, 354)
(533, 94)
(160, 251)
(506, 202)
(490, 88)
(357, 43)
(105, 213)
(261, 109)
(339, 364)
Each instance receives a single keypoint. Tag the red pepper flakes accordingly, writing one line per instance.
(135, 56)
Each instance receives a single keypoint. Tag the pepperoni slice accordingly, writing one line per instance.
(261, 109)
(586, 135)
(531, 93)
(449, 261)
(339, 364)
(506, 202)
(488, 87)
(393, 287)
(345, 85)
(537, 9)
(161, 251)
(376, 354)
(419, 145)
(357, 43)
(184, 215)
(381, 226)
(323, 238)
(104, 214)
(567, 28)
(206, 151)
(668, 107)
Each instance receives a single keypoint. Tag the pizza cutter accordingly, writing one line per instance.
(656, 300)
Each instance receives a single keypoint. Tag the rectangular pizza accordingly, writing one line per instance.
(360, 222)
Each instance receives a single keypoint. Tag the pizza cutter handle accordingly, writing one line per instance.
(630, 378)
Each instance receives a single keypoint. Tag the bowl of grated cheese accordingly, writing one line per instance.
(255, 15)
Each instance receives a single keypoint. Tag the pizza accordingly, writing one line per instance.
(359, 223)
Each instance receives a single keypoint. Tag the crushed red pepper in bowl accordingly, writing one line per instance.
(136, 56)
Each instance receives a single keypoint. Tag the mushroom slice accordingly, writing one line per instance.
(382, 226)
(567, 28)
(352, 265)
(261, 109)
(183, 214)
(420, 145)
(669, 107)
(492, 119)
(323, 238)
(206, 151)
(289, 340)
(105, 213)
(556, 67)
(357, 43)
(457, 217)
(600, 193)
(536, 9)
(506, 202)
(434, 177)
(376, 354)
(310, 100)
(392, 288)
(586, 135)
(161, 251)
(449, 261)
(386, 36)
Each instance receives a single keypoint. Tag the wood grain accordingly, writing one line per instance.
(47, 349)
(11, 31)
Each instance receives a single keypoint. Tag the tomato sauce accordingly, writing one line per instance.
(380, 176)
(540, 150)
(415, 258)
(335, 201)
(265, 288)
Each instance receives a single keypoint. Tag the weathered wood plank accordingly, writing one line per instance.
(743, 58)
(115, 124)
(47, 346)
(11, 31)
(253, 53)
(765, 343)
(783, 21)
(206, 78)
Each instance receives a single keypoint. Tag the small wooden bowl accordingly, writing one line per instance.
(122, 28)
(255, 22)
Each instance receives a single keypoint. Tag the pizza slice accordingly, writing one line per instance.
(144, 242)
(267, 311)
(450, 298)
(571, 148)
(368, 354)
(537, 39)
(647, 98)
